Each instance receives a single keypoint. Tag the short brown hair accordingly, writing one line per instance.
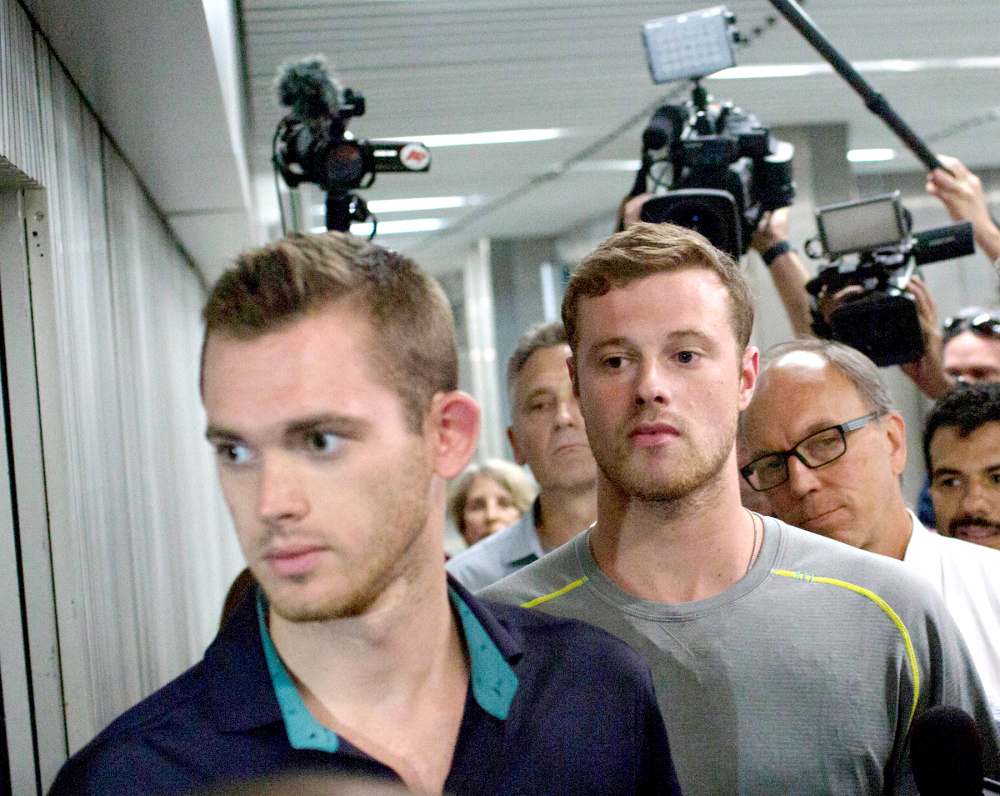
(537, 337)
(276, 285)
(645, 249)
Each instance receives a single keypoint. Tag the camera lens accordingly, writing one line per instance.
(695, 217)
(344, 165)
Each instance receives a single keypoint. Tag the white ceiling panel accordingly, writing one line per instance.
(445, 66)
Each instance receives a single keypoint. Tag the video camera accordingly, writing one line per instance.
(878, 316)
(312, 143)
(712, 167)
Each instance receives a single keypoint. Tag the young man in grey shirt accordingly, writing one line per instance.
(784, 663)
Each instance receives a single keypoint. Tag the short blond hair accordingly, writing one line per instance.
(645, 249)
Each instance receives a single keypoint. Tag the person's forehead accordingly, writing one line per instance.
(787, 381)
(546, 367)
(796, 393)
(969, 349)
(687, 298)
(485, 484)
(316, 364)
(979, 450)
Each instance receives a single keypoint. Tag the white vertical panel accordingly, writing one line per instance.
(89, 381)
(20, 117)
(480, 326)
(180, 551)
(141, 547)
(14, 669)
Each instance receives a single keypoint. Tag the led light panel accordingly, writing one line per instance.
(690, 45)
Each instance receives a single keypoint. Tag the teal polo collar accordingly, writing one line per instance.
(493, 681)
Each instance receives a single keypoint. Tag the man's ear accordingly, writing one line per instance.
(453, 424)
(895, 428)
(749, 371)
(571, 366)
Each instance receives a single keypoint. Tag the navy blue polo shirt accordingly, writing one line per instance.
(552, 704)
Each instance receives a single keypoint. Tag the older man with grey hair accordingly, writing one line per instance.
(546, 432)
(823, 442)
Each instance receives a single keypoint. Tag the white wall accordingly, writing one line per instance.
(141, 550)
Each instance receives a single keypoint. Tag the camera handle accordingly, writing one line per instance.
(342, 208)
(874, 101)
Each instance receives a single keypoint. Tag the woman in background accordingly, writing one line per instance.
(488, 497)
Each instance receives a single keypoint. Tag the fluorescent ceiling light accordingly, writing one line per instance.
(401, 227)
(607, 165)
(422, 203)
(870, 155)
(414, 203)
(492, 137)
(888, 65)
(770, 71)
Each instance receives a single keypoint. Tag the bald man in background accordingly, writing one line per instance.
(823, 444)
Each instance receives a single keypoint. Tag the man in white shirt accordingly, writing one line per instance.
(822, 441)
(962, 453)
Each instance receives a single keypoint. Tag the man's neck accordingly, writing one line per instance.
(676, 551)
(396, 694)
(564, 513)
(894, 536)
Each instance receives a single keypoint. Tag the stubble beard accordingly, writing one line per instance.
(366, 587)
(392, 555)
(692, 473)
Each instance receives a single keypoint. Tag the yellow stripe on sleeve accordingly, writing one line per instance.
(558, 593)
(911, 655)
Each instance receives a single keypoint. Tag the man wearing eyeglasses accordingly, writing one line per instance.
(965, 349)
(971, 342)
(822, 441)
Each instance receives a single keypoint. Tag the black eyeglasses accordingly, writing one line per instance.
(983, 324)
(814, 451)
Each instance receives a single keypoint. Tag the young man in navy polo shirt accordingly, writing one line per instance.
(329, 380)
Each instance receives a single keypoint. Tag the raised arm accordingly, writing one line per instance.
(962, 195)
(788, 272)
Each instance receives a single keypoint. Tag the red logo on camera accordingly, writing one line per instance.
(415, 157)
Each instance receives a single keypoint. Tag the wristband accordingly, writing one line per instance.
(778, 249)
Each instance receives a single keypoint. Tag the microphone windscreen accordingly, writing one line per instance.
(946, 753)
(307, 87)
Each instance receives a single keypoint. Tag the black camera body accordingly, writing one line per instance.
(878, 316)
(725, 171)
(312, 143)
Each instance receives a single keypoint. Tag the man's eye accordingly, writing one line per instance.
(614, 362)
(686, 357)
(946, 482)
(233, 454)
(323, 442)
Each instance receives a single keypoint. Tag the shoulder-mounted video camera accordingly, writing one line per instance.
(873, 312)
(312, 143)
(712, 167)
